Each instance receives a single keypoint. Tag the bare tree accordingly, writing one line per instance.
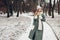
(59, 7)
(50, 6)
(9, 6)
(53, 6)
(19, 7)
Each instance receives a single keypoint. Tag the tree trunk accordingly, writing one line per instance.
(59, 7)
(50, 5)
(53, 9)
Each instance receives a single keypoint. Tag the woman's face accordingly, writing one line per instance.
(39, 10)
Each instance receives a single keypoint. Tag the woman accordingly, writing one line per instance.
(38, 11)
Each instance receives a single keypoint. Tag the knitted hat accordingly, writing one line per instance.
(38, 7)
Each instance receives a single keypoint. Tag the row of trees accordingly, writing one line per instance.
(49, 7)
(29, 5)
(19, 6)
(53, 7)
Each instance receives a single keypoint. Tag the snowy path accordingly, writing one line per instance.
(55, 24)
(48, 34)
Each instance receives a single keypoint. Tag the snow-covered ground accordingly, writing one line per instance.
(55, 24)
(18, 28)
(15, 28)
(48, 34)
